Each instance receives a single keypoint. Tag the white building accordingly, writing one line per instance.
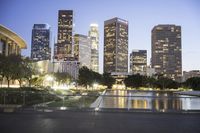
(94, 41)
(82, 50)
(190, 74)
(150, 71)
(10, 43)
(70, 67)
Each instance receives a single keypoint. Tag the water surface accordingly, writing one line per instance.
(154, 100)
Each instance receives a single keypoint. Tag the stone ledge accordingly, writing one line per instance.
(9, 108)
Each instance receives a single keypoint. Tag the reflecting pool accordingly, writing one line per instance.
(154, 100)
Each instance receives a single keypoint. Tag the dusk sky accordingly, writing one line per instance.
(143, 15)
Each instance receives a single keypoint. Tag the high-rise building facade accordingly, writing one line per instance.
(166, 51)
(64, 46)
(40, 44)
(82, 50)
(138, 62)
(94, 41)
(116, 45)
(70, 66)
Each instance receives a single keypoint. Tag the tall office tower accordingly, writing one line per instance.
(94, 38)
(166, 51)
(82, 50)
(40, 45)
(138, 62)
(65, 35)
(116, 45)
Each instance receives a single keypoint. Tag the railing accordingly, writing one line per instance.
(24, 98)
(38, 100)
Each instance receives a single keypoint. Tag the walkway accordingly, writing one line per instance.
(97, 122)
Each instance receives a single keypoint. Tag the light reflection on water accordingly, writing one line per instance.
(149, 100)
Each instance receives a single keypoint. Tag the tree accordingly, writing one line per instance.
(85, 77)
(164, 82)
(37, 81)
(193, 83)
(10, 68)
(151, 82)
(22, 68)
(14, 67)
(96, 77)
(29, 70)
(88, 77)
(62, 78)
(136, 81)
(18, 68)
(108, 80)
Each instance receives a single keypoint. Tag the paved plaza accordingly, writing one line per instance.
(98, 122)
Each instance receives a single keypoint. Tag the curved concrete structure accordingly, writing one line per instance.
(10, 42)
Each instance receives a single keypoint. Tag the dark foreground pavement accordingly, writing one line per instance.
(93, 122)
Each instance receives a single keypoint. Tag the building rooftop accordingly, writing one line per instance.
(116, 19)
(12, 36)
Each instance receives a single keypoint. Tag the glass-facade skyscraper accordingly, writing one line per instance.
(116, 45)
(40, 44)
(64, 46)
(138, 62)
(94, 41)
(82, 50)
(166, 51)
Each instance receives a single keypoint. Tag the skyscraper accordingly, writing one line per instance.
(65, 35)
(138, 61)
(94, 41)
(40, 44)
(82, 50)
(116, 45)
(166, 51)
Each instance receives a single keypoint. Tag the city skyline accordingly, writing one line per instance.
(183, 13)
